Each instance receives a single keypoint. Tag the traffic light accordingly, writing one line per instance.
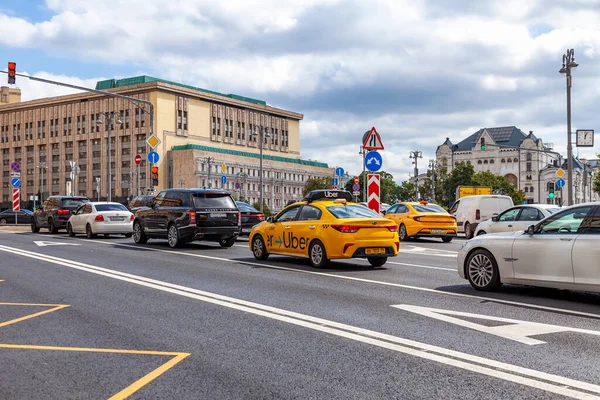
(482, 143)
(12, 72)
(551, 195)
(154, 176)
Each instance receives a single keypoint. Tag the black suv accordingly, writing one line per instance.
(185, 215)
(140, 202)
(55, 212)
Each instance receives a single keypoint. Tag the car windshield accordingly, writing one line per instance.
(352, 211)
(213, 200)
(73, 202)
(110, 207)
(245, 207)
(429, 208)
(552, 210)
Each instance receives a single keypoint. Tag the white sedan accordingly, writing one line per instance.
(516, 218)
(560, 251)
(101, 217)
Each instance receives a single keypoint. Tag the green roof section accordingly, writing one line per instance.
(138, 80)
(248, 154)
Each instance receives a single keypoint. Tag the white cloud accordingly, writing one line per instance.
(31, 90)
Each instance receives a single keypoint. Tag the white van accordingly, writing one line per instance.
(469, 211)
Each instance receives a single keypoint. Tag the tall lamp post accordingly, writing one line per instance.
(568, 65)
(109, 118)
(432, 166)
(262, 134)
(416, 155)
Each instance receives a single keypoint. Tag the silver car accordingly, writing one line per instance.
(516, 218)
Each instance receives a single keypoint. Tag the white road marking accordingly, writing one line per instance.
(352, 278)
(42, 243)
(514, 329)
(427, 251)
(422, 266)
(513, 373)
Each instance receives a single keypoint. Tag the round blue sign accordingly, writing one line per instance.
(373, 161)
(237, 186)
(153, 157)
(15, 166)
(15, 182)
(223, 179)
(560, 183)
(356, 187)
(339, 171)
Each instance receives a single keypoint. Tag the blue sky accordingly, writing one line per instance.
(418, 70)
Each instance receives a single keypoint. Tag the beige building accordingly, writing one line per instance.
(196, 128)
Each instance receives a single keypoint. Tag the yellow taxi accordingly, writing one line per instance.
(326, 226)
(417, 219)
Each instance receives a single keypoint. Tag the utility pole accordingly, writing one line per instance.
(209, 160)
(568, 65)
(416, 155)
(364, 156)
(432, 165)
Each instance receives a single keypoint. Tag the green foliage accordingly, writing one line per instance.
(596, 180)
(498, 184)
(388, 190)
(316, 184)
(461, 175)
(266, 210)
(406, 191)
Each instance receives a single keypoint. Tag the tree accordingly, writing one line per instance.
(323, 182)
(498, 184)
(266, 210)
(406, 191)
(388, 190)
(596, 180)
(461, 175)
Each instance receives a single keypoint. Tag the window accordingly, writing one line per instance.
(503, 160)
(485, 161)
(526, 189)
(509, 160)
(206, 200)
(309, 213)
(528, 157)
(528, 167)
(392, 209)
(491, 161)
(353, 211)
(288, 214)
(564, 222)
(593, 224)
(111, 207)
(515, 159)
(479, 161)
(530, 214)
(509, 215)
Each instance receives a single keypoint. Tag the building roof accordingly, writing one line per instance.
(502, 136)
(248, 154)
(138, 80)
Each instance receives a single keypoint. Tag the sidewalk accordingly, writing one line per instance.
(15, 228)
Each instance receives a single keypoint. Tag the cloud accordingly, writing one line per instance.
(419, 71)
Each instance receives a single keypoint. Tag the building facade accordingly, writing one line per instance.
(522, 159)
(47, 135)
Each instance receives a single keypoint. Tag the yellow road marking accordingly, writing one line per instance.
(55, 307)
(134, 387)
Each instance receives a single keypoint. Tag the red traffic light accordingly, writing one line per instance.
(155, 170)
(12, 72)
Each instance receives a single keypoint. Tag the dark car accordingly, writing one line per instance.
(185, 215)
(140, 202)
(55, 212)
(250, 217)
(8, 217)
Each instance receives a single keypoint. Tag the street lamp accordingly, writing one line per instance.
(109, 117)
(432, 165)
(245, 176)
(363, 153)
(416, 155)
(568, 65)
(262, 134)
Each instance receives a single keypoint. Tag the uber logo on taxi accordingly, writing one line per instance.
(294, 242)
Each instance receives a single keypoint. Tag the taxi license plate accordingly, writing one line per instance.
(375, 251)
(438, 231)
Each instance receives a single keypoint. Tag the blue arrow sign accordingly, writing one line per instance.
(153, 157)
(334, 181)
(373, 161)
(15, 182)
(339, 171)
(560, 183)
(279, 241)
(223, 179)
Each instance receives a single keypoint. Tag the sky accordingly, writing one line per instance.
(418, 71)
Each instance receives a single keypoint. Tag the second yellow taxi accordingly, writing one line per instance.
(326, 226)
(417, 219)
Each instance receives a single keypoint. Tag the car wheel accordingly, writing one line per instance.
(403, 234)
(51, 228)
(482, 271)
(173, 236)
(3, 221)
(34, 227)
(481, 233)
(138, 233)
(227, 242)
(70, 230)
(317, 254)
(447, 239)
(128, 235)
(468, 231)
(259, 249)
(377, 261)
(88, 232)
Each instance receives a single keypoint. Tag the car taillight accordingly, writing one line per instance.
(346, 228)
(192, 217)
(417, 219)
(261, 217)
(99, 218)
(393, 228)
(477, 214)
(62, 211)
(132, 217)
(239, 218)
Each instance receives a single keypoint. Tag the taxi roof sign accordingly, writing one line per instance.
(324, 194)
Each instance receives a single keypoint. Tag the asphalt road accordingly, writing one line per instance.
(99, 318)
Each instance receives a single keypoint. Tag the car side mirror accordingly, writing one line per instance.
(495, 218)
(383, 212)
(530, 230)
(154, 206)
(270, 219)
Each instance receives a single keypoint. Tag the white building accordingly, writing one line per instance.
(523, 160)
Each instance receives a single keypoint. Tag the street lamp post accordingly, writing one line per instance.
(432, 165)
(262, 134)
(363, 153)
(416, 155)
(109, 118)
(568, 65)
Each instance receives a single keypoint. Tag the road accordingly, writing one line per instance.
(106, 318)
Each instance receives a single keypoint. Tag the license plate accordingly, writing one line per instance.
(246, 230)
(438, 231)
(375, 251)
(117, 218)
(218, 215)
